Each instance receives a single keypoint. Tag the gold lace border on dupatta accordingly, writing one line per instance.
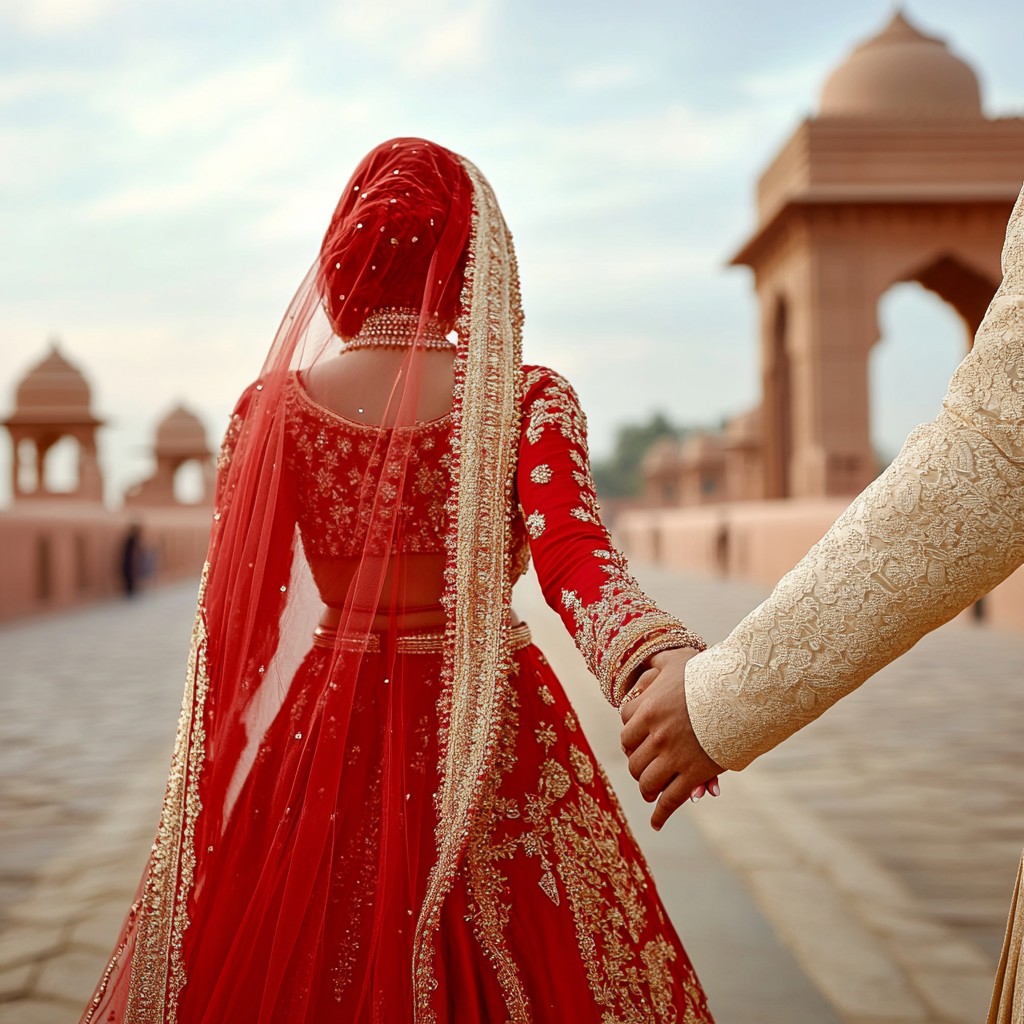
(478, 576)
(157, 971)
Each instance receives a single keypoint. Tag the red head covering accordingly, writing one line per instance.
(259, 604)
(407, 206)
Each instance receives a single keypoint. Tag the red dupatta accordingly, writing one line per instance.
(417, 227)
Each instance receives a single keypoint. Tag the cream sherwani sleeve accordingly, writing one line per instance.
(939, 528)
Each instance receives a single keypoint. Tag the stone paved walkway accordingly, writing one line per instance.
(88, 708)
(859, 873)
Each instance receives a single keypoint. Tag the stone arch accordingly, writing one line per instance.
(26, 466)
(898, 177)
(964, 288)
(64, 448)
(189, 483)
(53, 402)
(830, 270)
(180, 442)
(921, 340)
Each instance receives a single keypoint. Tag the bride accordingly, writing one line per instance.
(381, 807)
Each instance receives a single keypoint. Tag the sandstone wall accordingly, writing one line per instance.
(760, 541)
(57, 554)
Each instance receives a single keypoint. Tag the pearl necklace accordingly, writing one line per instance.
(396, 328)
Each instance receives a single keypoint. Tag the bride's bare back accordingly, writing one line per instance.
(357, 384)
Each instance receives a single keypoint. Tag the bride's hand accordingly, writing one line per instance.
(664, 754)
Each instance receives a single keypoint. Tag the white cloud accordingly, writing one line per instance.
(160, 109)
(27, 85)
(33, 155)
(563, 269)
(236, 136)
(793, 84)
(422, 38)
(678, 135)
(601, 77)
(49, 17)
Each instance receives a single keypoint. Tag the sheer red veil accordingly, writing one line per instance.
(417, 228)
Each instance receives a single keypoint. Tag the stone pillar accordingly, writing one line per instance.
(90, 479)
(833, 328)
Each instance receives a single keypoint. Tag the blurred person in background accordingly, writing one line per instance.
(132, 559)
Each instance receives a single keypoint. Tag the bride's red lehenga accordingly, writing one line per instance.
(371, 820)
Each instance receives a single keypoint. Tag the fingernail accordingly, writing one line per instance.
(694, 797)
(715, 789)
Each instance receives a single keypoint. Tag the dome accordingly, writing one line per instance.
(180, 435)
(701, 449)
(661, 457)
(54, 392)
(902, 74)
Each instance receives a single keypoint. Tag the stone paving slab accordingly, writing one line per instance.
(85, 697)
(58, 940)
(88, 710)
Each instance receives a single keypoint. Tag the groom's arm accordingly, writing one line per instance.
(941, 527)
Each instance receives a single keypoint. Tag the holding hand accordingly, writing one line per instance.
(664, 755)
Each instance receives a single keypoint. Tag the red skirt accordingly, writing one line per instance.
(554, 916)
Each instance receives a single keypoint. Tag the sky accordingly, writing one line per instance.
(168, 170)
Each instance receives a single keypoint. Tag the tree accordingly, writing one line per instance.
(618, 476)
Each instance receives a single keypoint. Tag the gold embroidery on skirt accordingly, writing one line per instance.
(485, 883)
(566, 829)
(157, 970)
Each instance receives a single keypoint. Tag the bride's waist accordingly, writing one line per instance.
(405, 617)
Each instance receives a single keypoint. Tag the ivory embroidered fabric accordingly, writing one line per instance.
(937, 530)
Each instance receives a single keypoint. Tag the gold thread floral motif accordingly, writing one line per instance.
(582, 766)
(622, 628)
(555, 405)
(485, 882)
(578, 844)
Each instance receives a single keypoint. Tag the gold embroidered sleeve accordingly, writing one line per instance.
(584, 578)
(941, 527)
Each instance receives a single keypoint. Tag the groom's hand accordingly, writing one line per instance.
(664, 755)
